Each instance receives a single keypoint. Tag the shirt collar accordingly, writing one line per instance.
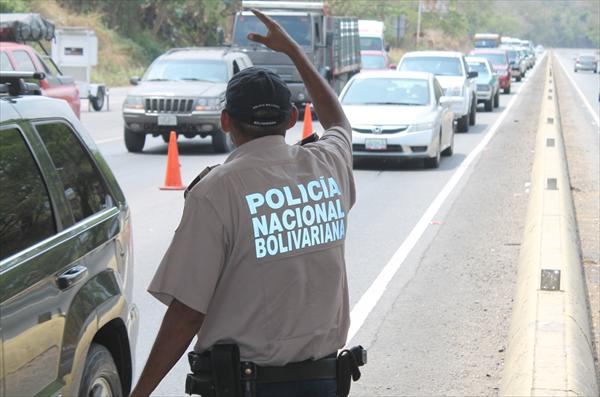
(257, 145)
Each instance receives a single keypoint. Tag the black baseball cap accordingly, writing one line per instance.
(257, 96)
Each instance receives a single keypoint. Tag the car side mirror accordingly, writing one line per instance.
(393, 66)
(135, 80)
(472, 74)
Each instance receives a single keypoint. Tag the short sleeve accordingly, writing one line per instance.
(192, 265)
(339, 140)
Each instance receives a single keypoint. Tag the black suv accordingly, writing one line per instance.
(68, 323)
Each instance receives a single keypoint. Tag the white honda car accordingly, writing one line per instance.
(399, 114)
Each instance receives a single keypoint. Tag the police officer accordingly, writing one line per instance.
(258, 258)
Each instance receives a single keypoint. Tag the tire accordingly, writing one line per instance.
(507, 90)
(434, 162)
(165, 137)
(221, 142)
(488, 106)
(449, 151)
(134, 142)
(463, 123)
(473, 115)
(98, 101)
(100, 376)
(518, 78)
(497, 99)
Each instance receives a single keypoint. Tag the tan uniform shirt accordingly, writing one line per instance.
(260, 250)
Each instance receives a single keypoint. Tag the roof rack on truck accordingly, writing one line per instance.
(13, 83)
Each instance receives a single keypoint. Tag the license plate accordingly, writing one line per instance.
(375, 144)
(167, 119)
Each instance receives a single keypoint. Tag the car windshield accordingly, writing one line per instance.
(440, 66)
(512, 55)
(387, 91)
(373, 62)
(297, 26)
(188, 69)
(481, 69)
(371, 44)
(486, 43)
(495, 59)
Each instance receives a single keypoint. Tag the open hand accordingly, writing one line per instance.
(276, 39)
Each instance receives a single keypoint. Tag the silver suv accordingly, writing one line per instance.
(182, 91)
(452, 72)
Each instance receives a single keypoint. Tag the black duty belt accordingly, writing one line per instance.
(324, 368)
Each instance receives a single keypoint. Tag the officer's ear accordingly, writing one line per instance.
(293, 117)
(225, 121)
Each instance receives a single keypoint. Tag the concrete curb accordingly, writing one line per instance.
(550, 344)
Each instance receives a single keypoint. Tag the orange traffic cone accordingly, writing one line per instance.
(307, 128)
(173, 177)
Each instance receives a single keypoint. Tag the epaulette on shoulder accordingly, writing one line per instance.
(198, 179)
(309, 139)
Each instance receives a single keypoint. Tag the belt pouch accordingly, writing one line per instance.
(226, 370)
(347, 370)
(200, 380)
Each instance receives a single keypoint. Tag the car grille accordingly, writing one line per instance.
(359, 147)
(384, 130)
(483, 87)
(168, 105)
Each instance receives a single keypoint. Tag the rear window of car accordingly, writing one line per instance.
(373, 62)
(83, 185)
(26, 215)
(5, 62)
(587, 58)
(495, 59)
(23, 60)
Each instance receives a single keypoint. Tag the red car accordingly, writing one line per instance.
(21, 57)
(499, 61)
(374, 60)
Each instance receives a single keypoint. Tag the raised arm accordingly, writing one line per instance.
(324, 99)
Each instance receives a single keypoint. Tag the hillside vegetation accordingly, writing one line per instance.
(132, 33)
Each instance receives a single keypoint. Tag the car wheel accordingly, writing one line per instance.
(473, 115)
(497, 99)
(518, 78)
(434, 162)
(507, 90)
(221, 142)
(134, 142)
(100, 376)
(449, 151)
(165, 137)
(575, 70)
(488, 105)
(98, 101)
(463, 123)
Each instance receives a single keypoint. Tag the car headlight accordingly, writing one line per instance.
(454, 91)
(421, 126)
(133, 103)
(207, 104)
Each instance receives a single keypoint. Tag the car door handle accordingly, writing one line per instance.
(71, 276)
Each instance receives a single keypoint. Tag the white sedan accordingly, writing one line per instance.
(399, 114)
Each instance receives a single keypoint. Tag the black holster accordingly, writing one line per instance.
(221, 379)
(348, 361)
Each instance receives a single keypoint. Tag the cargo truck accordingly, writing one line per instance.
(331, 43)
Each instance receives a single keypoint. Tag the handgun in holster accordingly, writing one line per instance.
(216, 373)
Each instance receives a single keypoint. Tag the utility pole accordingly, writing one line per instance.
(418, 25)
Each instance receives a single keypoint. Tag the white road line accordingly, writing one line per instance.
(368, 301)
(583, 98)
(117, 138)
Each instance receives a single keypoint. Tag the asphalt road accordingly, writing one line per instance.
(447, 241)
